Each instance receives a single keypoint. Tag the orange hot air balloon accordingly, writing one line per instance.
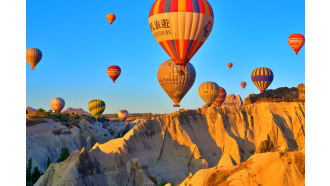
(181, 27)
(243, 84)
(114, 72)
(111, 18)
(296, 42)
(229, 65)
(33, 56)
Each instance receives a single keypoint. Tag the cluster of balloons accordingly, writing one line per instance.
(181, 27)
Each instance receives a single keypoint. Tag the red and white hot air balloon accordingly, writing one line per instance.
(114, 72)
(296, 42)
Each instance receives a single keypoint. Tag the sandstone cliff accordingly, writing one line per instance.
(283, 94)
(232, 100)
(171, 147)
(272, 168)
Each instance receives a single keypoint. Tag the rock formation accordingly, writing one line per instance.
(283, 94)
(30, 109)
(175, 146)
(272, 168)
(78, 111)
(232, 100)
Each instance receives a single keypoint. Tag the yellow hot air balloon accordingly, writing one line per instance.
(96, 107)
(33, 56)
(208, 91)
(111, 18)
(176, 83)
(181, 27)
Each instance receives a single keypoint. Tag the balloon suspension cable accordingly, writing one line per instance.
(113, 82)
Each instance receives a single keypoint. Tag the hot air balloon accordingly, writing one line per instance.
(221, 98)
(208, 91)
(262, 77)
(96, 107)
(229, 65)
(243, 84)
(57, 104)
(111, 18)
(33, 56)
(122, 114)
(174, 84)
(181, 26)
(114, 72)
(296, 42)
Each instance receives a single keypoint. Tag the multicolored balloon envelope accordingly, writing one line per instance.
(111, 18)
(262, 77)
(208, 91)
(33, 56)
(243, 84)
(57, 104)
(114, 72)
(230, 65)
(296, 42)
(175, 84)
(221, 98)
(122, 115)
(96, 107)
(181, 26)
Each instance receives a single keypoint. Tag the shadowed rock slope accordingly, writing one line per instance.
(174, 146)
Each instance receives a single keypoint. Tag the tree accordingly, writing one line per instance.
(35, 175)
(27, 112)
(28, 170)
(48, 162)
(64, 155)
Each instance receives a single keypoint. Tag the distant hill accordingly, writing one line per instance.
(30, 109)
(78, 111)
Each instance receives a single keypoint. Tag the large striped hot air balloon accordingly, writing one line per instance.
(96, 107)
(296, 42)
(181, 26)
(243, 84)
(57, 104)
(122, 115)
(33, 56)
(113, 72)
(208, 91)
(175, 84)
(262, 77)
(111, 18)
(221, 98)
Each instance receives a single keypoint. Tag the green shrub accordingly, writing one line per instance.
(41, 111)
(64, 155)
(35, 175)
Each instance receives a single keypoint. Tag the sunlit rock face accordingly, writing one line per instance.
(232, 100)
(173, 146)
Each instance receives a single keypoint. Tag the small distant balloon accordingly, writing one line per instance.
(114, 72)
(111, 18)
(208, 91)
(262, 77)
(296, 42)
(33, 56)
(230, 65)
(96, 107)
(57, 104)
(243, 84)
(221, 98)
(122, 114)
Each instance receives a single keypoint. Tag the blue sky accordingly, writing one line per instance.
(78, 44)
